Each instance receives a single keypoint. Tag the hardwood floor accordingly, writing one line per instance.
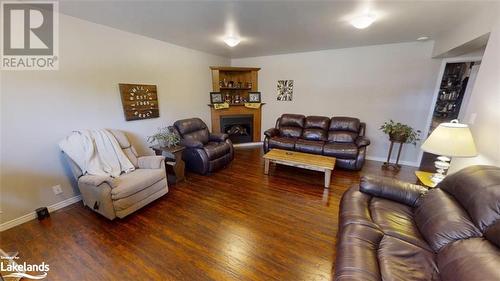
(237, 224)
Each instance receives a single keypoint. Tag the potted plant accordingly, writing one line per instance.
(400, 132)
(164, 137)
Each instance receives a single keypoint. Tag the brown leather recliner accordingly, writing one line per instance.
(391, 230)
(339, 137)
(205, 152)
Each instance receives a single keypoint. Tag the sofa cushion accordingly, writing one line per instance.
(292, 120)
(309, 146)
(399, 260)
(317, 122)
(291, 125)
(342, 136)
(341, 150)
(483, 207)
(192, 129)
(126, 202)
(315, 128)
(355, 208)
(470, 259)
(493, 233)
(314, 134)
(392, 189)
(345, 124)
(441, 220)
(396, 219)
(133, 182)
(290, 132)
(216, 150)
(282, 143)
(357, 253)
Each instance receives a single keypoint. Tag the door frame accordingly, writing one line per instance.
(445, 61)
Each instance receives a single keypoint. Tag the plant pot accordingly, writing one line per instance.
(398, 138)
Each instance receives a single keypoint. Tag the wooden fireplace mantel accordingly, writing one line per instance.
(235, 83)
(235, 110)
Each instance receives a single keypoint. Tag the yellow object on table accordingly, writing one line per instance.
(254, 105)
(425, 178)
(221, 105)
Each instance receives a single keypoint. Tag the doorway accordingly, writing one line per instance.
(452, 99)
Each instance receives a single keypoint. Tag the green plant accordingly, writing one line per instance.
(401, 132)
(164, 137)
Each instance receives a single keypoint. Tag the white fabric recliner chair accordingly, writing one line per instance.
(118, 197)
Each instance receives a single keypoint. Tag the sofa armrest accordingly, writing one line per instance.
(272, 132)
(218, 137)
(191, 143)
(362, 141)
(150, 162)
(402, 192)
(95, 180)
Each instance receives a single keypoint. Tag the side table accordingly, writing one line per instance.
(173, 159)
(424, 178)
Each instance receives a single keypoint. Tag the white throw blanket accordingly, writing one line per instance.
(96, 152)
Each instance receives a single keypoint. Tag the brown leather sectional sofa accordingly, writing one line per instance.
(391, 230)
(339, 137)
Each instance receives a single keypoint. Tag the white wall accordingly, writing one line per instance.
(485, 104)
(471, 28)
(38, 108)
(374, 83)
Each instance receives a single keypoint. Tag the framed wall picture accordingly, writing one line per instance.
(139, 101)
(254, 97)
(216, 97)
(285, 90)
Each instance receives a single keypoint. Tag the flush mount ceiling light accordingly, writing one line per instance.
(363, 21)
(232, 41)
(423, 38)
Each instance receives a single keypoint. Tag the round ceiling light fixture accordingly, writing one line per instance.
(232, 41)
(363, 21)
(423, 38)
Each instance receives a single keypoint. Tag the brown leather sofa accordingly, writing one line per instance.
(391, 230)
(339, 137)
(205, 152)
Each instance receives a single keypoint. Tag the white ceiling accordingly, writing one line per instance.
(275, 27)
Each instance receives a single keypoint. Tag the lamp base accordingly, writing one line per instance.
(442, 164)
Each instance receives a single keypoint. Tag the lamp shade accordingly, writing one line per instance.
(451, 139)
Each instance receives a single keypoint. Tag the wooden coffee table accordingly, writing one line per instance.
(301, 160)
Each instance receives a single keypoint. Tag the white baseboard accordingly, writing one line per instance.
(32, 216)
(248, 144)
(382, 159)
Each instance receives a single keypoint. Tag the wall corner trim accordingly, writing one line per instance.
(32, 215)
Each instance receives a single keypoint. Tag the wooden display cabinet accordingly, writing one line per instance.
(241, 77)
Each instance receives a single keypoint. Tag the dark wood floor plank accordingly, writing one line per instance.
(236, 224)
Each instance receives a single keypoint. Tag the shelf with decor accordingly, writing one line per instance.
(234, 104)
(236, 86)
(450, 93)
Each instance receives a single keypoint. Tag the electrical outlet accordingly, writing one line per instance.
(57, 189)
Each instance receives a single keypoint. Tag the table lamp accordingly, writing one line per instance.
(449, 140)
